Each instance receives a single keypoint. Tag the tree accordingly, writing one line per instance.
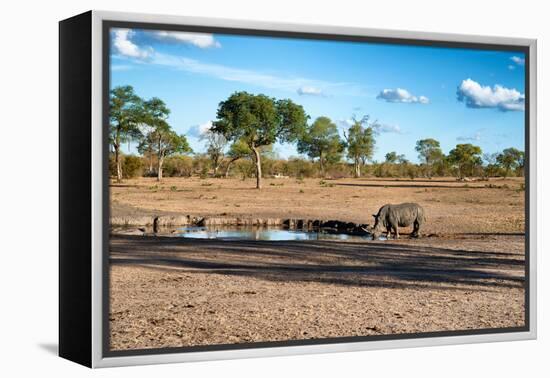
(125, 115)
(168, 143)
(216, 144)
(395, 165)
(259, 120)
(237, 150)
(510, 158)
(392, 157)
(429, 152)
(465, 157)
(360, 143)
(492, 168)
(321, 141)
(161, 139)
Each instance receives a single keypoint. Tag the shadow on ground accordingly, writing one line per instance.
(411, 185)
(51, 348)
(382, 264)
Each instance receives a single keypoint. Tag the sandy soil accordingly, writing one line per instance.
(451, 207)
(169, 292)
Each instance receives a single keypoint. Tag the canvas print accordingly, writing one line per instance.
(282, 189)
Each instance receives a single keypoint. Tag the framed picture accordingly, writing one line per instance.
(234, 189)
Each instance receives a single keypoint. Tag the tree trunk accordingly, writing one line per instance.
(357, 168)
(229, 166)
(150, 161)
(159, 173)
(118, 163)
(160, 158)
(216, 167)
(227, 169)
(321, 163)
(258, 167)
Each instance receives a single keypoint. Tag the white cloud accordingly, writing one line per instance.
(517, 60)
(201, 40)
(401, 95)
(198, 131)
(124, 46)
(242, 75)
(308, 90)
(473, 138)
(120, 67)
(474, 95)
(345, 123)
(386, 128)
(511, 67)
(378, 128)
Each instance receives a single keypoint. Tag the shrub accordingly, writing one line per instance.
(296, 167)
(112, 166)
(132, 166)
(178, 166)
(245, 168)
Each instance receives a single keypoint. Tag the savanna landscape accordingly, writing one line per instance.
(467, 272)
(265, 224)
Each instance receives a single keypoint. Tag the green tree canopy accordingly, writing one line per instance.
(259, 120)
(465, 157)
(237, 150)
(215, 147)
(510, 158)
(159, 138)
(360, 143)
(125, 116)
(392, 157)
(430, 153)
(322, 141)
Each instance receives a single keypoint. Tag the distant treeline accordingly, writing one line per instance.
(202, 165)
(239, 144)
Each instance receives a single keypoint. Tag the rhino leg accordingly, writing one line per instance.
(416, 229)
(396, 232)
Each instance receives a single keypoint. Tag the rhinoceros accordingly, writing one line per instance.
(390, 217)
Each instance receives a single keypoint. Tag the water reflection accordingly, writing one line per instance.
(259, 233)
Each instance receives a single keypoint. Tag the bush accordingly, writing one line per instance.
(178, 166)
(201, 165)
(245, 168)
(301, 168)
(112, 165)
(339, 170)
(132, 166)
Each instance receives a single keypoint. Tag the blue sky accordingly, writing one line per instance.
(452, 95)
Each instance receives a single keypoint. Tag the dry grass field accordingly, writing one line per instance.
(467, 273)
(495, 206)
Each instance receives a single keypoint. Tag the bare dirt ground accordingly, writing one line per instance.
(171, 292)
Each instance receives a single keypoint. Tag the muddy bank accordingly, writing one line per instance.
(153, 223)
